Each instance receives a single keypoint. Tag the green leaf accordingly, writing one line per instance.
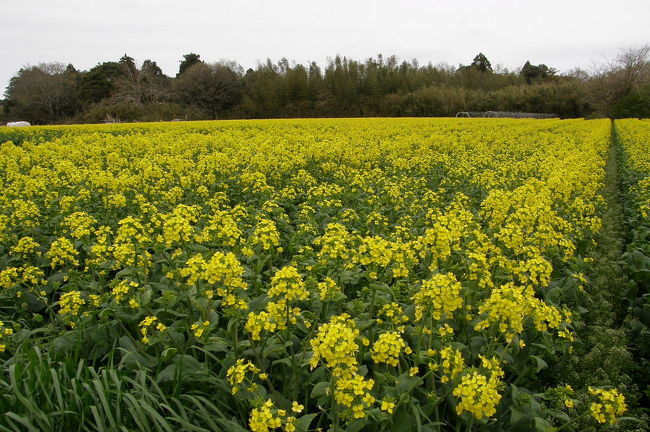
(133, 354)
(320, 389)
(56, 277)
(626, 418)
(34, 303)
(168, 354)
(68, 341)
(231, 426)
(559, 415)
(364, 324)
(402, 420)
(161, 286)
(197, 248)
(273, 348)
(516, 416)
(216, 344)
(357, 425)
(405, 384)
(302, 424)
(145, 299)
(127, 272)
(167, 300)
(542, 425)
(285, 361)
(381, 287)
(540, 363)
(23, 421)
(476, 343)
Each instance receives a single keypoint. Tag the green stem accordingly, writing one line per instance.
(471, 424)
(371, 313)
(236, 338)
(418, 346)
(436, 414)
(571, 421)
(372, 302)
(335, 426)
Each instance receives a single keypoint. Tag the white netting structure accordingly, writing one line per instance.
(505, 114)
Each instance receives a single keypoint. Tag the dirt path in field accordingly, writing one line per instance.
(608, 275)
(602, 355)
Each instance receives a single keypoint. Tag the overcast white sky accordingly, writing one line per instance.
(560, 33)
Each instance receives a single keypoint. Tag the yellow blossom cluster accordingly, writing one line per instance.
(288, 283)
(328, 289)
(509, 306)
(286, 286)
(62, 252)
(9, 277)
(393, 313)
(335, 345)
(25, 247)
(276, 317)
(127, 247)
(200, 328)
(177, 226)
(478, 395)
(71, 303)
(5, 333)
(27, 275)
(610, 405)
(451, 362)
(236, 374)
(150, 327)
(221, 227)
(388, 347)
(353, 391)
(267, 417)
(439, 296)
(123, 289)
(79, 224)
(266, 234)
(223, 270)
(334, 243)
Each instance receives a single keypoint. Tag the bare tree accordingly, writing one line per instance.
(612, 80)
(144, 86)
(633, 69)
(44, 92)
(212, 88)
(577, 74)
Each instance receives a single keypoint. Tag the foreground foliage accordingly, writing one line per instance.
(352, 275)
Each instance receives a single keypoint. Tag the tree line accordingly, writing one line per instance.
(119, 90)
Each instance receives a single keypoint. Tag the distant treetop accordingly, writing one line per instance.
(188, 61)
(481, 63)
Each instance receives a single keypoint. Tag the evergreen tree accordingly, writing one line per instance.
(188, 61)
(481, 63)
(99, 82)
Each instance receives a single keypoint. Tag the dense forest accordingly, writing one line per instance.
(50, 93)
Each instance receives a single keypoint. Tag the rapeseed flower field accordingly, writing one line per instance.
(303, 275)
